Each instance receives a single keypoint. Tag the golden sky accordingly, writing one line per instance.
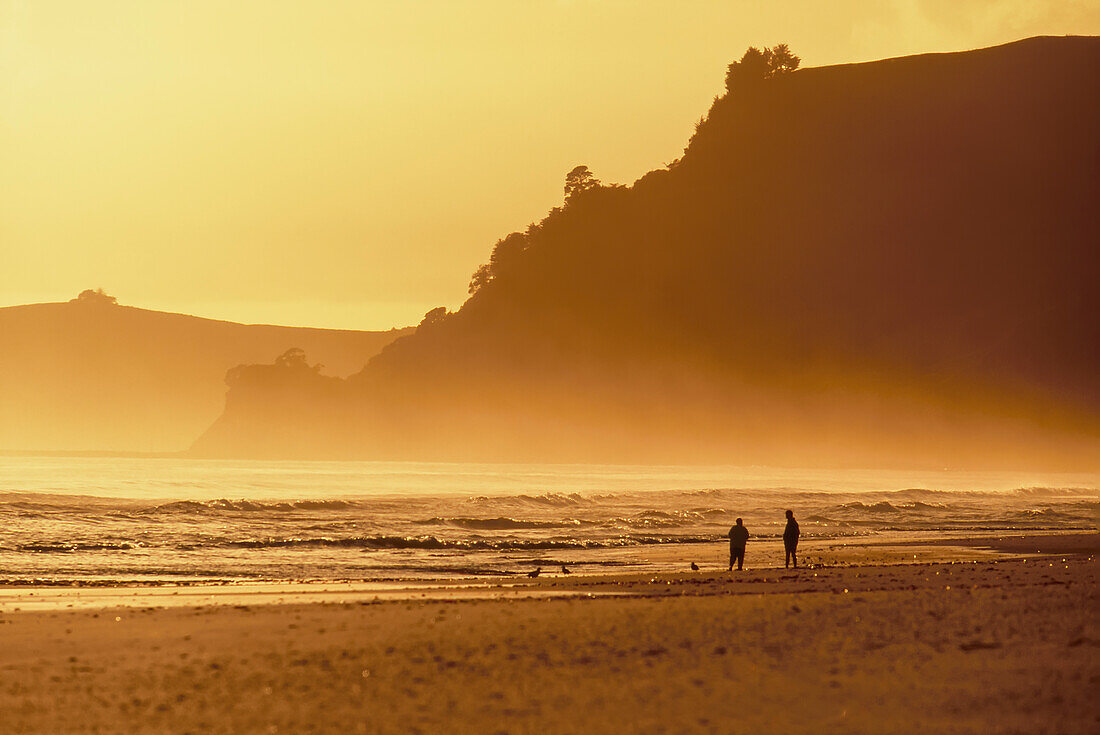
(349, 164)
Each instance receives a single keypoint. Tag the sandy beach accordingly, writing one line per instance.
(1004, 644)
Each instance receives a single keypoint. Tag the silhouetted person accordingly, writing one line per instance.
(790, 539)
(739, 537)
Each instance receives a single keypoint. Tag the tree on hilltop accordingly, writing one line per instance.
(756, 65)
(295, 359)
(579, 180)
(290, 368)
(94, 296)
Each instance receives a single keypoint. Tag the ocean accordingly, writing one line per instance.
(101, 520)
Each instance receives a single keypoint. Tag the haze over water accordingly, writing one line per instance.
(99, 519)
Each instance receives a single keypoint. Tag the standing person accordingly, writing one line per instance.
(739, 537)
(790, 539)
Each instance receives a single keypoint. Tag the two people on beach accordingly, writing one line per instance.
(739, 539)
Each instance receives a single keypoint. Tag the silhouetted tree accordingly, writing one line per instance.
(96, 296)
(505, 255)
(434, 316)
(295, 359)
(579, 180)
(481, 278)
(507, 251)
(289, 368)
(756, 65)
(782, 61)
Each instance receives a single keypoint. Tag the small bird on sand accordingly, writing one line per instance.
(694, 567)
(564, 570)
(535, 573)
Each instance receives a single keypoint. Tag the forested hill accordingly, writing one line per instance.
(90, 374)
(883, 263)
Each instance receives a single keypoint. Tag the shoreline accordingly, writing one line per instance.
(820, 561)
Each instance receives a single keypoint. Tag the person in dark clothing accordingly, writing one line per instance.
(790, 539)
(739, 537)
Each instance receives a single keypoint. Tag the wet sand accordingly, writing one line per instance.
(1051, 543)
(999, 644)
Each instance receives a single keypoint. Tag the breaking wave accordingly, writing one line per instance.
(551, 500)
(499, 524)
(247, 506)
(433, 542)
(68, 548)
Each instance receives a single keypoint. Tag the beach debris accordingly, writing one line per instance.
(979, 645)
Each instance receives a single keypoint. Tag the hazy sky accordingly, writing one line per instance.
(349, 164)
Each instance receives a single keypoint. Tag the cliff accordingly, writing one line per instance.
(882, 263)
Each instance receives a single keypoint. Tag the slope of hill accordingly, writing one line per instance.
(882, 263)
(92, 375)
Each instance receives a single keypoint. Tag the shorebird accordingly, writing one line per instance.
(564, 570)
(535, 573)
(694, 567)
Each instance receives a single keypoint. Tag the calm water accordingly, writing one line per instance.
(170, 519)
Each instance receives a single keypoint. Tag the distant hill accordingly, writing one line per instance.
(884, 263)
(93, 375)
